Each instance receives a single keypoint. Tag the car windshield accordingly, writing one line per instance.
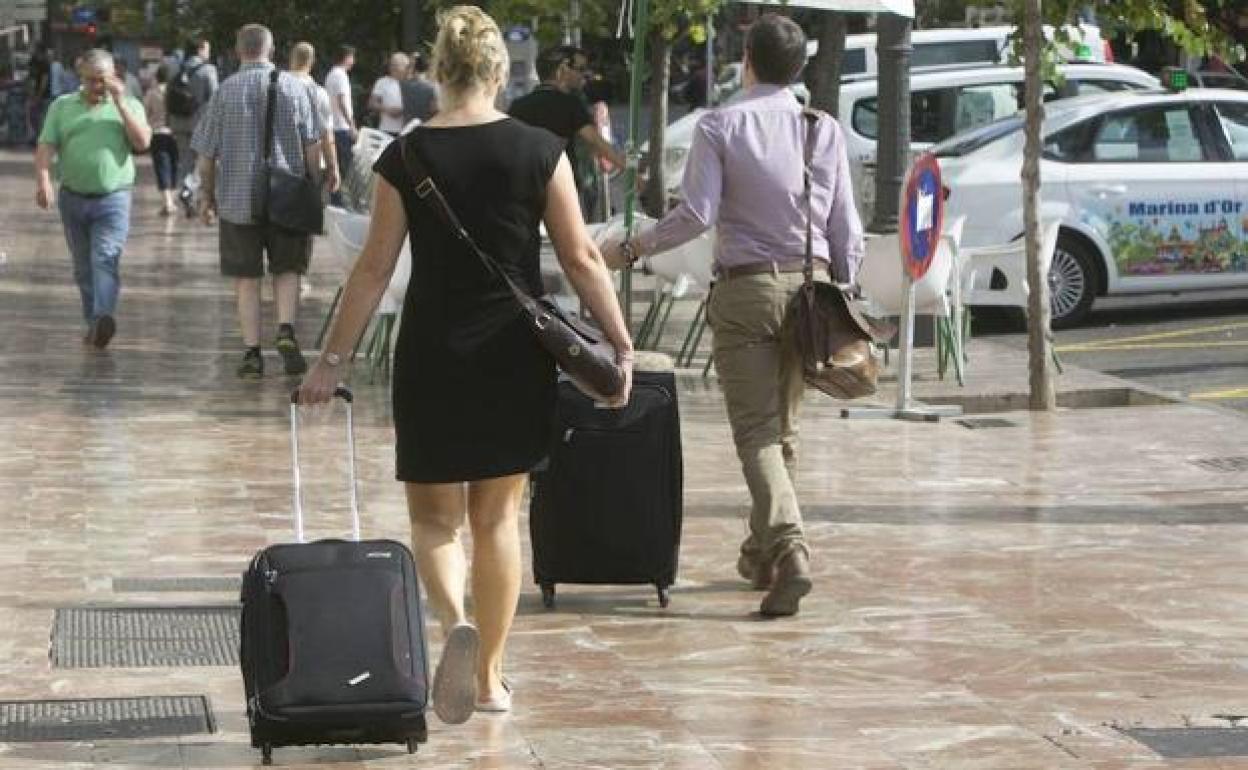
(970, 141)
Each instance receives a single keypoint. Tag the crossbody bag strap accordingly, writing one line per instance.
(268, 115)
(428, 192)
(808, 154)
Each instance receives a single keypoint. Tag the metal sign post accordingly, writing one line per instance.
(922, 220)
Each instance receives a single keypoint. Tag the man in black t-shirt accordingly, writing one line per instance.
(555, 106)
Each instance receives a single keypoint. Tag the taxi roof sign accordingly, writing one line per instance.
(1175, 79)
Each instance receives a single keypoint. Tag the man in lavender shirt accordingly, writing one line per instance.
(744, 176)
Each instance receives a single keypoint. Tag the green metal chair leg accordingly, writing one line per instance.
(643, 329)
(320, 338)
(684, 357)
(662, 323)
(706, 370)
(697, 340)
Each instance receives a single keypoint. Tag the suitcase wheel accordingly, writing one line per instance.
(266, 754)
(665, 597)
(412, 745)
(548, 595)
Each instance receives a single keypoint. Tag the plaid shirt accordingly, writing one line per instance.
(232, 132)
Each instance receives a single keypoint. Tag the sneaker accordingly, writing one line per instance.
(791, 583)
(292, 357)
(252, 367)
(102, 331)
(455, 682)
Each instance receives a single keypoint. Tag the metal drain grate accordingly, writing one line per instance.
(104, 718)
(975, 423)
(129, 637)
(1223, 464)
(212, 584)
(1193, 742)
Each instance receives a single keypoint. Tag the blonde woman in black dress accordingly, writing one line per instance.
(474, 392)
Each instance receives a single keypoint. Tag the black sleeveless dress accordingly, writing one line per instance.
(474, 392)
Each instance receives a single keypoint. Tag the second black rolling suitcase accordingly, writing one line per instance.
(333, 637)
(607, 506)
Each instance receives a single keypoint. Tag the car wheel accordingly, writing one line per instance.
(1072, 283)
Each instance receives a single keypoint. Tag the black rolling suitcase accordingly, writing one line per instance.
(606, 508)
(333, 636)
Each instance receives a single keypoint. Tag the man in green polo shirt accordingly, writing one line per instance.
(95, 132)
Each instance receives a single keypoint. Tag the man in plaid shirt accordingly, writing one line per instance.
(230, 143)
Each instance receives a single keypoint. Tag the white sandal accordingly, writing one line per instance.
(455, 683)
(499, 704)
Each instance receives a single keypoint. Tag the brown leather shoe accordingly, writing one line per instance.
(751, 569)
(791, 583)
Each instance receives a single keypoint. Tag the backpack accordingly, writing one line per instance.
(179, 98)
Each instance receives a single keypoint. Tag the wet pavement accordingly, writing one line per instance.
(1013, 596)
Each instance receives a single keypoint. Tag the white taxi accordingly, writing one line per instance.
(1151, 189)
(943, 101)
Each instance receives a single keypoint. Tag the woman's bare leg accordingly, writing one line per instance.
(493, 514)
(437, 515)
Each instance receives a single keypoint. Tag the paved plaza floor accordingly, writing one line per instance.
(1016, 596)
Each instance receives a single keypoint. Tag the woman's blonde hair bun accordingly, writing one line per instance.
(470, 52)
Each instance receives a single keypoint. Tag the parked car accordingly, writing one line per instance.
(936, 48)
(943, 102)
(1151, 189)
(1211, 79)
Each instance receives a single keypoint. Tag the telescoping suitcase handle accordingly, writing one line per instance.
(345, 394)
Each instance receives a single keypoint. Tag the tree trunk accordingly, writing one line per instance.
(893, 149)
(825, 86)
(654, 198)
(1038, 316)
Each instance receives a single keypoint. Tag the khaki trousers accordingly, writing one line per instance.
(762, 382)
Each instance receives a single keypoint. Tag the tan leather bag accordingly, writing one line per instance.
(830, 334)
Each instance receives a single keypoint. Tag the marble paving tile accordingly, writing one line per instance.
(983, 599)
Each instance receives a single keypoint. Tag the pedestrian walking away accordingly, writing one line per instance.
(338, 86)
(420, 95)
(94, 132)
(474, 390)
(164, 146)
(233, 183)
(745, 176)
(386, 98)
(192, 82)
(302, 56)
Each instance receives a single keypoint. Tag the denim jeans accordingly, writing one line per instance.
(344, 145)
(96, 229)
(165, 161)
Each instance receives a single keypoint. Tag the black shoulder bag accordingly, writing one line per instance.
(832, 336)
(579, 349)
(288, 201)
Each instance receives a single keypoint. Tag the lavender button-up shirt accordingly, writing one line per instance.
(744, 176)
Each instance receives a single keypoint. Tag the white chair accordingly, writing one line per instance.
(347, 231)
(360, 181)
(682, 272)
(1010, 260)
(937, 293)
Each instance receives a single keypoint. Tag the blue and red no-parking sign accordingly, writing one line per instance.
(922, 215)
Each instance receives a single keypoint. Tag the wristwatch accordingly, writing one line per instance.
(331, 359)
(627, 251)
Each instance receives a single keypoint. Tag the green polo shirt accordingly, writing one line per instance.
(94, 153)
